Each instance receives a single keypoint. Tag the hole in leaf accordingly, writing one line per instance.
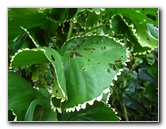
(103, 48)
(75, 54)
(78, 55)
(83, 69)
(52, 57)
(56, 91)
(108, 70)
(89, 49)
(88, 59)
(121, 57)
(98, 63)
(151, 17)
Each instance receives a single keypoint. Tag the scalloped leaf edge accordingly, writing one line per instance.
(134, 33)
(28, 33)
(83, 105)
(44, 52)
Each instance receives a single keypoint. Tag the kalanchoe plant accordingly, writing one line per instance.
(65, 63)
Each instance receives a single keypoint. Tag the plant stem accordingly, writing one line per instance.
(125, 112)
(70, 30)
(155, 56)
(93, 29)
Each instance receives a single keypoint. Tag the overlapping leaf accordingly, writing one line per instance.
(23, 100)
(97, 112)
(138, 27)
(18, 100)
(40, 110)
(89, 64)
(28, 57)
(28, 18)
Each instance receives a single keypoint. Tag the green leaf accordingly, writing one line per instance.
(144, 75)
(40, 110)
(19, 42)
(20, 94)
(91, 19)
(99, 111)
(150, 58)
(30, 105)
(153, 30)
(28, 57)
(153, 71)
(125, 34)
(58, 14)
(11, 116)
(96, 10)
(59, 89)
(151, 93)
(139, 28)
(88, 68)
(25, 17)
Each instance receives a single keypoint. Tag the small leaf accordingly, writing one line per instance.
(153, 30)
(150, 58)
(144, 75)
(151, 93)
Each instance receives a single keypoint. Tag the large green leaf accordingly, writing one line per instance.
(28, 57)
(141, 25)
(97, 112)
(27, 103)
(136, 24)
(20, 94)
(25, 17)
(29, 18)
(90, 67)
(125, 34)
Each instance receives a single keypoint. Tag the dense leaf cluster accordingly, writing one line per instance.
(83, 64)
